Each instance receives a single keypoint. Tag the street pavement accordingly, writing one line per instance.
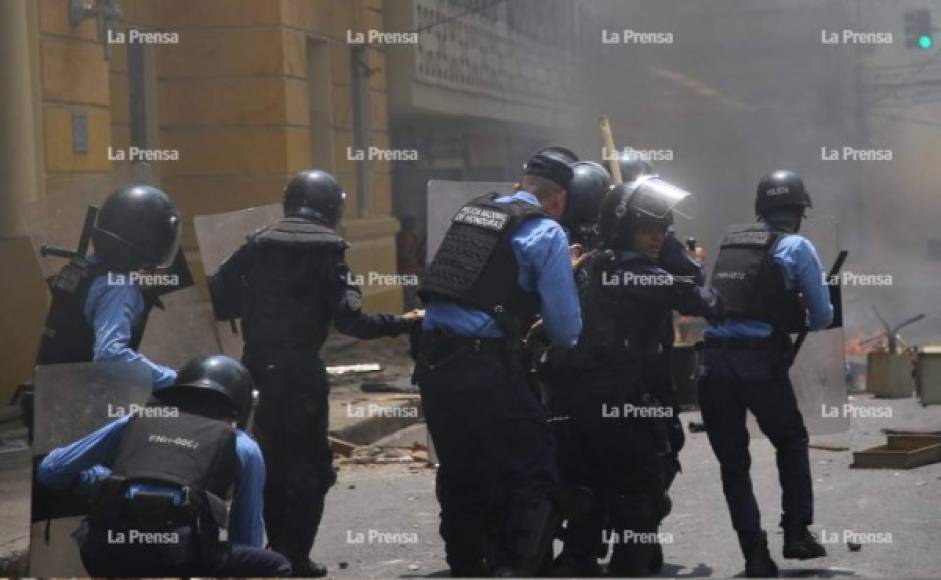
(381, 520)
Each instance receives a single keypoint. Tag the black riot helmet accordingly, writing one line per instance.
(781, 189)
(138, 228)
(633, 166)
(589, 183)
(647, 200)
(315, 194)
(218, 379)
(559, 152)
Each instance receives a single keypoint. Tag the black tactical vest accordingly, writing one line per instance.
(617, 332)
(290, 266)
(67, 336)
(198, 455)
(475, 265)
(752, 284)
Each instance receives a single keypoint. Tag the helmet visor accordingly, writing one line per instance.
(164, 260)
(657, 198)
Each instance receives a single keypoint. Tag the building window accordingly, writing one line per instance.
(320, 95)
(361, 126)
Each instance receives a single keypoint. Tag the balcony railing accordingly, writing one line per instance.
(519, 50)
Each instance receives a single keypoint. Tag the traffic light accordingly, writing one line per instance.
(918, 29)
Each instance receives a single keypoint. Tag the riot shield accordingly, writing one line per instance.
(218, 236)
(819, 372)
(71, 401)
(446, 197)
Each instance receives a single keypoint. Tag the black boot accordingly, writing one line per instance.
(656, 559)
(758, 562)
(800, 544)
(304, 567)
(571, 566)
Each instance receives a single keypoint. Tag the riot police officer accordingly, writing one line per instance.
(503, 260)
(770, 279)
(99, 308)
(616, 422)
(288, 283)
(678, 261)
(159, 478)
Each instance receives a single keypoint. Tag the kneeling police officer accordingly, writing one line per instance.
(159, 478)
(771, 281)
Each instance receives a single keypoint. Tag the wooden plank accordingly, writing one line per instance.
(901, 452)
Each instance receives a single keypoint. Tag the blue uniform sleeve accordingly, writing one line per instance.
(802, 269)
(82, 464)
(246, 526)
(112, 309)
(542, 252)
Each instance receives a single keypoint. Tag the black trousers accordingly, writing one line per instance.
(620, 456)
(735, 381)
(291, 424)
(496, 454)
(238, 562)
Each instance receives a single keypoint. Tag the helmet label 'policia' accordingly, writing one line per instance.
(482, 217)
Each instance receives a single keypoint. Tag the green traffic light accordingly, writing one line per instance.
(925, 41)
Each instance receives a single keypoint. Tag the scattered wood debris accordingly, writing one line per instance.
(338, 370)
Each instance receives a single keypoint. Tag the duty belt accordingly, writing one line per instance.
(439, 346)
(475, 343)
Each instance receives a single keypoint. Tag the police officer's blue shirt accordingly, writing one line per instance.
(545, 267)
(798, 260)
(111, 308)
(86, 462)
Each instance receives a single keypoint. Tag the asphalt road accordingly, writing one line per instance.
(381, 521)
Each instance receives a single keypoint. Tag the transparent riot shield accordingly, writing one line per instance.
(446, 197)
(71, 401)
(218, 236)
(819, 373)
